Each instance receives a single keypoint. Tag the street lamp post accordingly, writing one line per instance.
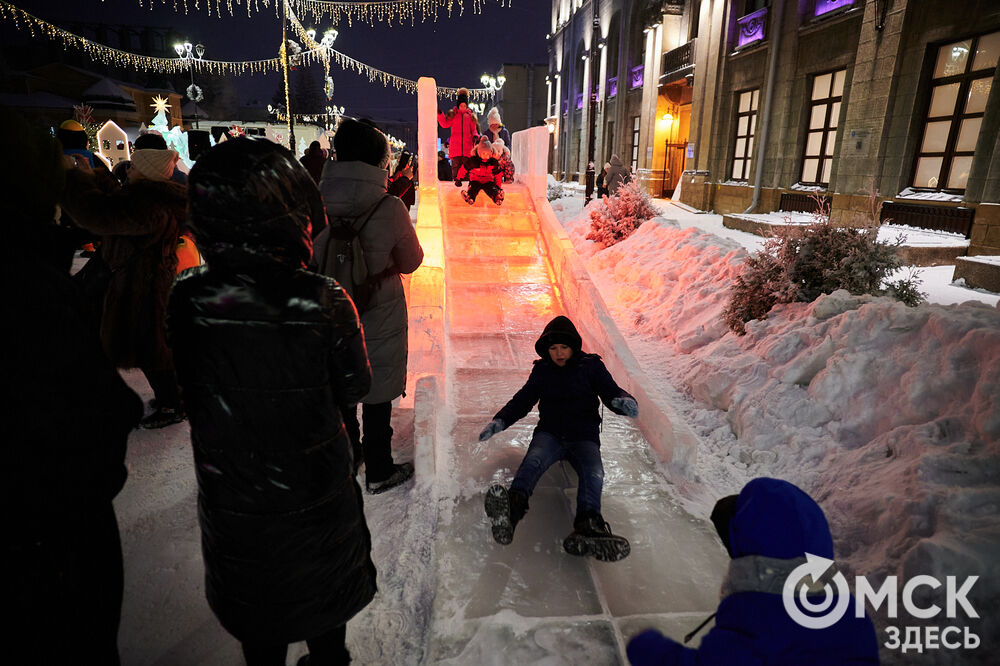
(493, 83)
(189, 53)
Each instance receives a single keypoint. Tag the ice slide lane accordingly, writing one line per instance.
(530, 601)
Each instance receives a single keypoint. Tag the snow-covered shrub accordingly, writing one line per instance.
(615, 218)
(801, 262)
(554, 191)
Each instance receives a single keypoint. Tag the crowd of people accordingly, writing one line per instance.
(269, 358)
(482, 158)
(265, 355)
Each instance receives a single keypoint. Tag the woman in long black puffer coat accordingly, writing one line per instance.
(265, 353)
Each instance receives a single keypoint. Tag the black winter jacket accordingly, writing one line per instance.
(263, 358)
(265, 353)
(567, 397)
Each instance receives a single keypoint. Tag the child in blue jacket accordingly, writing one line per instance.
(767, 530)
(567, 384)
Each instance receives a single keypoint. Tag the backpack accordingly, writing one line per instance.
(345, 257)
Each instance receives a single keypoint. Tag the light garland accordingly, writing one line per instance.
(113, 57)
(389, 11)
(317, 52)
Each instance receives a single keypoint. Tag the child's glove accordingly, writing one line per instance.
(625, 405)
(495, 426)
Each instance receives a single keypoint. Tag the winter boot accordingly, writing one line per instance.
(163, 417)
(592, 536)
(400, 474)
(505, 510)
(469, 200)
(498, 200)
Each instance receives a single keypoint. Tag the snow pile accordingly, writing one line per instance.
(916, 237)
(910, 193)
(984, 259)
(888, 415)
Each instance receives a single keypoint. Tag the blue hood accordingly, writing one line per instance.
(775, 519)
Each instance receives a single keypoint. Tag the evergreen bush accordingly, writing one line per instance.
(801, 262)
(616, 218)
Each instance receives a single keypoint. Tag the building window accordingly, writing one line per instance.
(821, 134)
(635, 144)
(746, 122)
(960, 85)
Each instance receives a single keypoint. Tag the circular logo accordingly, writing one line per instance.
(815, 567)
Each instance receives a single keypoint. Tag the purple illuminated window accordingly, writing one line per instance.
(636, 81)
(751, 27)
(579, 100)
(612, 86)
(827, 6)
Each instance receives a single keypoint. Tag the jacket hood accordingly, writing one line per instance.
(350, 188)
(776, 519)
(559, 331)
(616, 161)
(252, 202)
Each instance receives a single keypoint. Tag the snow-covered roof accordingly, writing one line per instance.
(105, 94)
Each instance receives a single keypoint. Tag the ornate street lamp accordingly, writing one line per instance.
(189, 54)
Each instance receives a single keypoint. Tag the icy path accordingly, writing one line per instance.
(530, 602)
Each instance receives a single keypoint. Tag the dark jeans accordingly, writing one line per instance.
(330, 649)
(164, 385)
(585, 457)
(458, 162)
(491, 189)
(376, 446)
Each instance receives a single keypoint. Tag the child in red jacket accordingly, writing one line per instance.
(483, 170)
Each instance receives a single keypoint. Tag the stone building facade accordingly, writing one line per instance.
(862, 101)
(620, 77)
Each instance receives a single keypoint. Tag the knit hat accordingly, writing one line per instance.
(484, 144)
(463, 96)
(154, 164)
(497, 147)
(559, 331)
(493, 117)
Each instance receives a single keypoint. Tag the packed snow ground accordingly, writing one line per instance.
(889, 416)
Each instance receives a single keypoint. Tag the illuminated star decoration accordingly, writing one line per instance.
(160, 104)
(236, 131)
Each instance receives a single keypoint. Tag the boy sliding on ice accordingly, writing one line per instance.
(483, 170)
(566, 383)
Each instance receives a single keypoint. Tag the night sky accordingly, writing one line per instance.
(455, 51)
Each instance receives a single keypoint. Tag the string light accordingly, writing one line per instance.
(321, 52)
(388, 11)
(113, 57)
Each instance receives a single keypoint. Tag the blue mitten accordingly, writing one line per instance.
(495, 426)
(626, 406)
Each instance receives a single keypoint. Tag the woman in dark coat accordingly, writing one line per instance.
(266, 352)
(139, 226)
(66, 414)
